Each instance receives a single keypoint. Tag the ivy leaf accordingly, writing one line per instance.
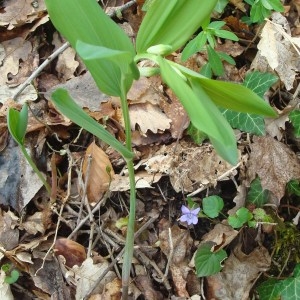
(269, 290)
(259, 83)
(287, 289)
(293, 187)
(295, 119)
(246, 122)
(256, 194)
(208, 263)
(290, 287)
(212, 206)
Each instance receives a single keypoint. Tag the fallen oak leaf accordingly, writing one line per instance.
(274, 163)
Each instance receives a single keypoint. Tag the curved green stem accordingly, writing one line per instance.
(131, 221)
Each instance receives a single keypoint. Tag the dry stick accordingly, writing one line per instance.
(113, 262)
(61, 49)
(54, 240)
(82, 222)
(147, 261)
(39, 70)
(218, 179)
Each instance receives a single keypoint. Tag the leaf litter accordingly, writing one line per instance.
(89, 213)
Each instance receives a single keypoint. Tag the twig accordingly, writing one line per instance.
(40, 69)
(54, 240)
(82, 222)
(113, 262)
(218, 179)
(58, 52)
(170, 258)
(147, 261)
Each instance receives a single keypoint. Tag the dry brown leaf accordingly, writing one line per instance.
(274, 163)
(98, 170)
(221, 235)
(239, 4)
(278, 48)
(18, 13)
(239, 199)
(142, 178)
(49, 279)
(87, 274)
(148, 117)
(73, 252)
(175, 111)
(14, 50)
(235, 280)
(276, 126)
(83, 90)
(180, 242)
(112, 291)
(9, 236)
(34, 224)
(145, 90)
(66, 63)
(144, 283)
(230, 48)
(190, 167)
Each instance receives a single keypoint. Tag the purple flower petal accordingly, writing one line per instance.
(184, 218)
(185, 210)
(195, 211)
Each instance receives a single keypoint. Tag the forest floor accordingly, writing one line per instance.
(69, 247)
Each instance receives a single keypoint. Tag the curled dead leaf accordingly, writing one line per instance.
(73, 252)
(97, 171)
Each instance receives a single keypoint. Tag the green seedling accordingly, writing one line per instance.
(206, 41)
(11, 275)
(261, 9)
(17, 125)
(112, 60)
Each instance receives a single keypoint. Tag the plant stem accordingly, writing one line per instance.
(35, 169)
(131, 221)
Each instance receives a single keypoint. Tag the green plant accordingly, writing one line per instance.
(286, 289)
(17, 125)
(261, 9)
(112, 61)
(11, 275)
(206, 40)
(207, 260)
(294, 117)
(293, 187)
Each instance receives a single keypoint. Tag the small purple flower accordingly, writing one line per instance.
(189, 215)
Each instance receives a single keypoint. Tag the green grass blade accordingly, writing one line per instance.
(68, 107)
